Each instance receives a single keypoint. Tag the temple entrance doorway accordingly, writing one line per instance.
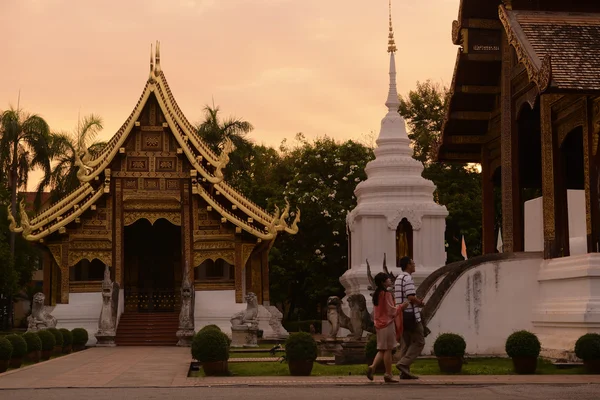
(152, 266)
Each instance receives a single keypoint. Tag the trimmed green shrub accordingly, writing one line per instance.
(371, 347)
(210, 345)
(300, 346)
(6, 349)
(523, 344)
(449, 345)
(57, 336)
(34, 343)
(211, 326)
(67, 337)
(587, 347)
(19, 345)
(80, 336)
(48, 340)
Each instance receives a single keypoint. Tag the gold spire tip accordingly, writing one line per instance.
(391, 43)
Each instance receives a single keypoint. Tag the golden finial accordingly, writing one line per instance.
(391, 42)
(151, 59)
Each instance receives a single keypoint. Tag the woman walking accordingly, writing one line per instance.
(384, 312)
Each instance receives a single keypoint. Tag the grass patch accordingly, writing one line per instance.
(474, 366)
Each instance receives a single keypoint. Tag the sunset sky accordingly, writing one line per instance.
(287, 66)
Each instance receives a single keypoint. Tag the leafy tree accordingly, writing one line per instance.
(458, 185)
(320, 178)
(24, 146)
(214, 130)
(63, 148)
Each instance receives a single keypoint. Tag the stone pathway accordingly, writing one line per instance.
(164, 367)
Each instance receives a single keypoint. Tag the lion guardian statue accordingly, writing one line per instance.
(358, 321)
(249, 315)
(39, 318)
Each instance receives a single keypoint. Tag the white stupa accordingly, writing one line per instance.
(396, 213)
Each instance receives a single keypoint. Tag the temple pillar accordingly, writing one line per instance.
(265, 276)
(512, 216)
(592, 180)
(187, 255)
(64, 274)
(47, 268)
(549, 167)
(487, 191)
(239, 270)
(118, 254)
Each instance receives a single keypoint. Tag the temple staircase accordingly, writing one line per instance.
(147, 329)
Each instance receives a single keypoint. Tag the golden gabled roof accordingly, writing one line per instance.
(257, 221)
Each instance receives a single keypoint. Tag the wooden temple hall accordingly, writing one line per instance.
(154, 209)
(525, 103)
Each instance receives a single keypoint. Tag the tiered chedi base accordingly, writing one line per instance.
(147, 329)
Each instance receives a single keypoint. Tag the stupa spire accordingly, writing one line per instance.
(391, 42)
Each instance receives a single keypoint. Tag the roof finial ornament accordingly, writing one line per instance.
(391, 42)
(157, 56)
(151, 60)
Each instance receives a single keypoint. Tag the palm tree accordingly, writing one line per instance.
(213, 131)
(63, 149)
(23, 146)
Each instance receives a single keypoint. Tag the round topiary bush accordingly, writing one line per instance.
(34, 343)
(19, 345)
(371, 348)
(6, 349)
(211, 326)
(523, 344)
(67, 337)
(449, 345)
(57, 336)
(80, 337)
(48, 340)
(210, 345)
(300, 346)
(587, 347)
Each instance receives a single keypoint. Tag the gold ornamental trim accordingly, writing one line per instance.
(201, 256)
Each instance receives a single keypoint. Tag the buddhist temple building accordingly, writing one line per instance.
(155, 208)
(525, 104)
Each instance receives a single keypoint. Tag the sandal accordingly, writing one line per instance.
(388, 379)
(370, 373)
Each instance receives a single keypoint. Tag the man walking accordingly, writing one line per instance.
(413, 338)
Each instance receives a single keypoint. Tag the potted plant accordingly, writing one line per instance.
(524, 348)
(67, 340)
(211, 326)
(449, 348)
(58, 337)
(34, 346)
(587, 348)
(80, 339)
(211, 348)
(48, 343)
(5, 353)
(19, 346)
(300, 352)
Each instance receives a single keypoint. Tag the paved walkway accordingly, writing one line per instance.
(144, 367)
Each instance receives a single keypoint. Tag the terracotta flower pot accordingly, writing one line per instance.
(215, 368)
(450, 365)
(300, 368)
(34, 356)
(16, 362)
(592, 366)
(67, 349)
(78, 347)
(4, 365)
(57, 350)
(46, 354)
(525, 365)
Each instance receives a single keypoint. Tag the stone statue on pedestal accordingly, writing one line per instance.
(107, 324)
(39, 318)
(244, 324)
(186, 315)
(358, 321)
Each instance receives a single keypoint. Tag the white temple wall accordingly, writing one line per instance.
(488, 303)
(534, 223)
(83, 311)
